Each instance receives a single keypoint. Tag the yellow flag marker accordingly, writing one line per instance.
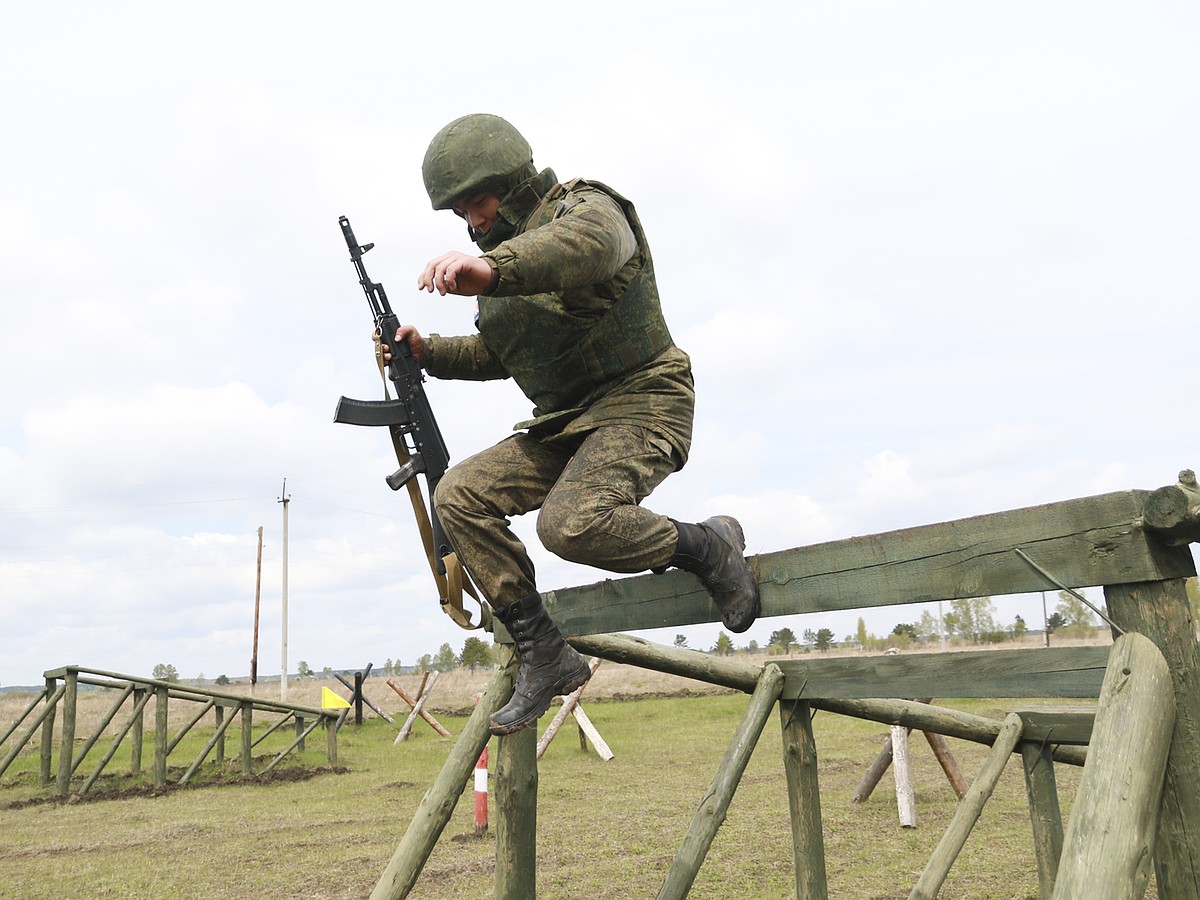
(330, 700)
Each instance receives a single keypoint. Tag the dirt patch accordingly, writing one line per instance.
(275, 776)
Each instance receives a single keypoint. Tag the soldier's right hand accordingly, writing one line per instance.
(416, 343)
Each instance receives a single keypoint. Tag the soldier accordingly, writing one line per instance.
(569, 309)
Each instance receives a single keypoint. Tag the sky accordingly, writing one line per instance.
(930, 259)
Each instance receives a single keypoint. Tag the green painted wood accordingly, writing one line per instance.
(968, 812)
(1087, 542)
(1058, 725)
(1162, 613)
(714, 806)
(1045, 816)
(1110, 839)
(1055, 672)
(516, 816)
(439, 801)
(804, 799)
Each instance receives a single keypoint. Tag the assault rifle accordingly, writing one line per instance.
(407, 417)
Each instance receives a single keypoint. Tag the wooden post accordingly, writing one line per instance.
(1160, 610)
(516, 816)
(711, 814)
(66, 743)
(439, 801)
(1109, 843)
(52, 698)
(247, 738)
(140, 697)
(160, 735)
(941, 752)
(1044, 813)
(967, 814)
(804, 799)
(906, 801)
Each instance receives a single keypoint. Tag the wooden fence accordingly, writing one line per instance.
(1140, 788)
(60, 759)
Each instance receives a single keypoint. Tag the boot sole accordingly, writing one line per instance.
(573, 682)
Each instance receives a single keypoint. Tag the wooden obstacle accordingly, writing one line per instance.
(417, 706)
(1111, 540)
(572, 707)
(61, 692)
(357, 698)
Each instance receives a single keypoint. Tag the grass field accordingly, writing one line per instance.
(605, 829)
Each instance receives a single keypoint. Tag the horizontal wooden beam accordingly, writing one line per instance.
(1063, 672)
(1083, 543)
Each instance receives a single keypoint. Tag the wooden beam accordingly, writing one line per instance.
(1056, 672)
(1087, 542)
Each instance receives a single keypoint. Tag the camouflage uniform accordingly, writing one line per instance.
(573, 316)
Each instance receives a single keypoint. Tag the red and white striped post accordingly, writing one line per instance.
(481, 785)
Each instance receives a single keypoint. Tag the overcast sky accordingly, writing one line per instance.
(931, 260)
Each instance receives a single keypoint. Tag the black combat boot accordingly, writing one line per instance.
(713, 551)
(549, 666)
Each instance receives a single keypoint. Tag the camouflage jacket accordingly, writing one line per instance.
(574, 317)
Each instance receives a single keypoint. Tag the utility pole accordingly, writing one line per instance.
(1045, 622)
(283, 660)
(257, 598)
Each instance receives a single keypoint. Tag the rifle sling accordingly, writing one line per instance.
(456, 581)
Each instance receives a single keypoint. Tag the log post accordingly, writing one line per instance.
(66, 743)
(804, 799)
(53, 694)
(1173, 512)
(711, 814)
(906, 799)
(160, 735)
(516, 816)
(1045, 816)
(1160, 610)
(1109, 843)
(439, 801)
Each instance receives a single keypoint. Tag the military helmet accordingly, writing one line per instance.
(475, 153)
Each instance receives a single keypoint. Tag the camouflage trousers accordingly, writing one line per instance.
(588, 491)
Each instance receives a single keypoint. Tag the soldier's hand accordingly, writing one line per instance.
(456, 273)
(416, 343)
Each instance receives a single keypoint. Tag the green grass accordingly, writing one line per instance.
(605, 829)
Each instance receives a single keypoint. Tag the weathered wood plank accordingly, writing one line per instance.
(1055, 672)
(1086, 542)
(1045, 814)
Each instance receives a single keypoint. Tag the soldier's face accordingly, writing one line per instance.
(479, 210)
